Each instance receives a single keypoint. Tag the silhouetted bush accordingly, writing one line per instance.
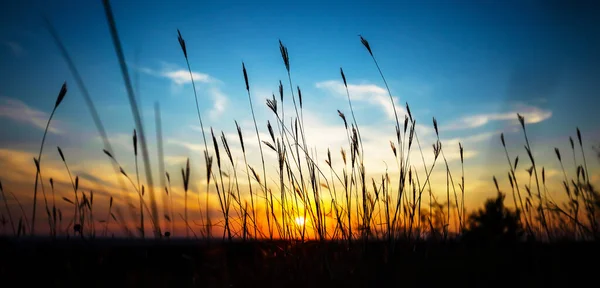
(495, 223)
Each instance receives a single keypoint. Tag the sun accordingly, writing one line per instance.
(299, 221)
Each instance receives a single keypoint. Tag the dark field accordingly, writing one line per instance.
(181, 263)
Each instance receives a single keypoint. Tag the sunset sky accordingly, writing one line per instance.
(473, 67)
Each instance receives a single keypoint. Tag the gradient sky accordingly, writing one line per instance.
(471, 64)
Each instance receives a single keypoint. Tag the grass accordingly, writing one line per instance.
(361, 207)
(358, 230)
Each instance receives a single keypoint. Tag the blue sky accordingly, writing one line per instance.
(471, 64)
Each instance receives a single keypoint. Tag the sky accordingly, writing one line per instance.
(473, 65)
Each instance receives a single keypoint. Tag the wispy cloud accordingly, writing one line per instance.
(219, 102)
(369, 93)
(532, 115)
(15, 48)
(181, 76)
(175, 160)
(469, 140)
(122, 140)
(178, 76)
(197, 147)
(18, 111)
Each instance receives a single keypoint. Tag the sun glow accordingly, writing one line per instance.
(299, 221)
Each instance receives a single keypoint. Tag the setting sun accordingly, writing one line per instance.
(299, 221)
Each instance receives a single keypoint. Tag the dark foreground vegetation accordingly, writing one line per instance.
(110, 263)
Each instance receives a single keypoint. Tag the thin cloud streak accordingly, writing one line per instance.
(178, 76)
(369, 93)
(18, 111)
(532, 115)
(220, 102)
(16, 48)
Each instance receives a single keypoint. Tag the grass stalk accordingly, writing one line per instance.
(136, 113)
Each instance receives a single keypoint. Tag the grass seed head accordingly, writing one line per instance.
(245, 77)
(239, 130)
(108, 154)
(299, 96)
(496, 184)
(285, 56)
(61, 95)
(37, 164)
(216, 145)
(270, 128)
(182, 43)
(521, 120)
(543, 176)
(272, 104)
(343, 118)
(226, 146)
(366, 44)
(135, 142)
(62, 156)
(281, 91)
(571, 141)
(68, 200)
(209, 161)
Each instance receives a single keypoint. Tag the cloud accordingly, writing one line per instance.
(180, 77)
(532, 115)
(370, 93)
(219, 102)
(188, 145)
(15, 48)
(476, 138)
(177, 75)
(120, 141)
(175, 160)
(18, 111)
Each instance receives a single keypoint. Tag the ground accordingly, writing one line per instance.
(125, 263)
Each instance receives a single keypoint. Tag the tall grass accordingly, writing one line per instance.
(161, 164)
(38, 176)
(136, 114)
(334, 203)
(86, 96)
(262, 157)
(10, 218)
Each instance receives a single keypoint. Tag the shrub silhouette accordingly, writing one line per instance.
(494, 224)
